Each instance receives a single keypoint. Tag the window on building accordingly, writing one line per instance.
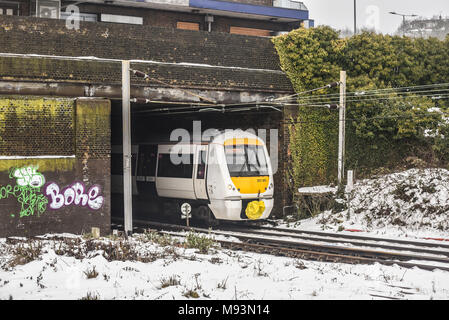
(82, 16)
(121, 19)
(250, 31)
(9, 8)
(188, 25)
(167, 169)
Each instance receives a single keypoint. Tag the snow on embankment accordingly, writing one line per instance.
(415, 200)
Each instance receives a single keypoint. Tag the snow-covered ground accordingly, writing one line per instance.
(155, 267)
(412, 204)
(175, 272)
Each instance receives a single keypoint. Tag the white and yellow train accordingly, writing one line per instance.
(228, 178)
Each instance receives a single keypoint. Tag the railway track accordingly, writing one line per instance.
(369, 242)
(321, 246)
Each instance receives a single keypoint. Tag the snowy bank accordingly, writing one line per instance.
(413, 203)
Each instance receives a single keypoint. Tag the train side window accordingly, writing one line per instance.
(167, 169)
(201, 170)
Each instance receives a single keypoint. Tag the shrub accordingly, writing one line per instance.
(201, 242)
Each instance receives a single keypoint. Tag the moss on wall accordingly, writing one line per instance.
(36, 126)
(44, 164)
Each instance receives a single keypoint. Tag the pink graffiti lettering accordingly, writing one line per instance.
(74, 194)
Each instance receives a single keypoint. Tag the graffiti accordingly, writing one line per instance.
(74, 194)
(27, 191)
(28, 176)
(31, 202)
(9, 190)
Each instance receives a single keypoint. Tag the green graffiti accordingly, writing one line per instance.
(27, 191)
(31, 201)
(9, 190)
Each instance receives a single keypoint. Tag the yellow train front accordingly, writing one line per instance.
(239, 177)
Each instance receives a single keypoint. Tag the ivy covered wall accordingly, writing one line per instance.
(383, 132)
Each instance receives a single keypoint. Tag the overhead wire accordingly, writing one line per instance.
(329, 101)
(360, 96)
(378, 92)
(324, 103)
(365, 119)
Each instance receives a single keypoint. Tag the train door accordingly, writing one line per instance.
(146, 171)
(200, 172)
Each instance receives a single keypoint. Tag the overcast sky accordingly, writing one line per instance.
(372, 13)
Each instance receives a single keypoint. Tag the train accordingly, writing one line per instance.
(228, 177)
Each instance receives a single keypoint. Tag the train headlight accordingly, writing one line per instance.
(229, 187)
(271, 186)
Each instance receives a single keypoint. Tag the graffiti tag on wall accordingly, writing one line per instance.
(28, 176)
(27, 191)
(74, 194)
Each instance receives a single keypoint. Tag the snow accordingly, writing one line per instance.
(412, 204)
(318, 189)
(185, 64)
(218, 275)
(165, 268)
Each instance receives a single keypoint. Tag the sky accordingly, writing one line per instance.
(372, 13)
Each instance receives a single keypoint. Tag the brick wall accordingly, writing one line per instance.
(109, 72)
(27, 182)
(122, 41)
(37, 127)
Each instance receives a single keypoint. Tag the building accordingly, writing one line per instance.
(249, 17)
(437, 27)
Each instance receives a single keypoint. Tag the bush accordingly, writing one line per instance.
(201, 242)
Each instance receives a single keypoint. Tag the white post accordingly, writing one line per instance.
(126, 114)
(350, 182)
(341, 127)
(349, 188)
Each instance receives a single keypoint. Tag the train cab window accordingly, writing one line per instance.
(147, 160)
(246, 161)
(167, 169)
(201, 170)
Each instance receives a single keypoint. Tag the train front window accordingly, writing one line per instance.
(246, 161)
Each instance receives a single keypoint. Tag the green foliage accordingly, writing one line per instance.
(379, 132)
(201, 242)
